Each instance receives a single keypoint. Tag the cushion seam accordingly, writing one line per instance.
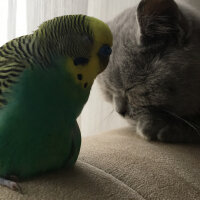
(119, 181)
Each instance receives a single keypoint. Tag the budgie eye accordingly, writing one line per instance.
(81, 61)
(105, 51)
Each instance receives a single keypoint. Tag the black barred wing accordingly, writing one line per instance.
(15, 56)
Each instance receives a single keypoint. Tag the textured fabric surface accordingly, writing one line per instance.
(119, 165)
(155, 170)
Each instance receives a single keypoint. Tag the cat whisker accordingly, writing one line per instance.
(109, 114)
(183, 120)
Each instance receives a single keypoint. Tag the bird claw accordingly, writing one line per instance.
(11, 185)
(14, 186)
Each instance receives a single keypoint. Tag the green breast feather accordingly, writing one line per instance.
(45, 80)
(42, 111)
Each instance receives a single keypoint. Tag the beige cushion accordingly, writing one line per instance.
(120, 165)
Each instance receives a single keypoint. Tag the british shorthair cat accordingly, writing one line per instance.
(153, 77)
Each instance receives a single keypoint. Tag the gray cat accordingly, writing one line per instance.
(153, 78)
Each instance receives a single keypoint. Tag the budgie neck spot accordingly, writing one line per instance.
(80, 76)
(85, 85)
(83, 75)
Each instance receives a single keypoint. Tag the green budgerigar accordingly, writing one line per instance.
(45, 80)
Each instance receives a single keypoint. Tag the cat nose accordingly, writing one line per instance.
(121, 109)
(122, 112)
(120, 105)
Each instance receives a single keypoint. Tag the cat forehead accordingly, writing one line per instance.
(137, 67)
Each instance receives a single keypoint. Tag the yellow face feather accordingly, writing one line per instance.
(85, 75)
(101, 31)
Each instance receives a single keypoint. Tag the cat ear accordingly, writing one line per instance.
(160, 20)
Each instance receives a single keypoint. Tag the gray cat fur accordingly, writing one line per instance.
(153, 77)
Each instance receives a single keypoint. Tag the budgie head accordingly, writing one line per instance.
(84, 42)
